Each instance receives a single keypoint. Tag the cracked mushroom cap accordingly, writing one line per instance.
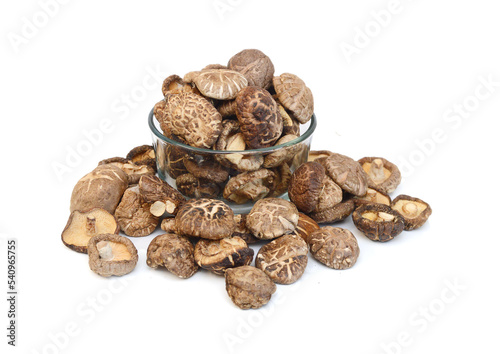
(133, 214)
(111, 254)
(347, 173)
(306, 186)
(272, 217)
(206, 218)
(218, 255)
(247, 186)
(143, 155)
(255, 66)
(382, 175)
(221, 84)
(284, 259)
(132, 170)
(174, 252)
(295, 96)
(414, 211)
(259, 118)
(378, 222)
(101, 188)
(82, 226)
(249, 287)
(335, 247)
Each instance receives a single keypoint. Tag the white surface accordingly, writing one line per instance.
(85, 68)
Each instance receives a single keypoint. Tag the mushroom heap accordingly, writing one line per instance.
(235, 107)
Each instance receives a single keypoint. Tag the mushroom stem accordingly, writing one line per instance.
(410, 209)
(90, 226)
(105, 250)
(158, 208)
(377, 169)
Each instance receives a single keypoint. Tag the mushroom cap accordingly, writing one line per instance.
(373, 196)
(283, 259)
(173, 84)
(378, 222)
(219, 255)
(143, 155)
(154, 189)
(305, 226)
(284, 154)
(249, 287)
(133, 214)
(255, 66)
(295, 96)
(207, 169)
(335, 247)
(101, 188)
(334, 214)
(174, 252)
(206, 218)
(381, 174)
(259, 118)
(221, 84)
(249, 186)
(329, 196)
(111, 254)
(306, 185)
(414, 211)
(316, 155)
(290, 124)
(193, 187)
(242, 230)
(83, 225)
(132, 170)
(282, 181)
(347, 173)
(272, 217)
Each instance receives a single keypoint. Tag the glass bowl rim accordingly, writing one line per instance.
(308, 133)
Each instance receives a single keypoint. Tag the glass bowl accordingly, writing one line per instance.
(242, 187)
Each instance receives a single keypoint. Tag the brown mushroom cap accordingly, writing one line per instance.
(378, 222)
(111, 254)
(284, 154)
(249, 287)
(249, 186)
(295, 96)
(174, 84)
(255, 66)
(207, 169)
(305, 226)
(330, 195)
(347, 173)
(219, 255)
(174, 252)
(315, 155)
(132, 170)
(143, 155)
(306, 185)
(156, 191)
(290, 125)
(272, 217)
(193, 187)
(335, 247)
(221, 84)
(259, 118)
(283, 259)
(336, 213)
(382, 175)
(373, 196)
(242, 230)
(133, 214)
(101, 188)
(282, 181)
(414, 211)
(206, 218)
(82, 226)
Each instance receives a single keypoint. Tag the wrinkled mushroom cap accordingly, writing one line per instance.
(295, 96)
(249, 287)
(378, 222)
(221, 84)
(82, 226)
(414, 211)
(336, 213)
(111, 254)
(133, 214)
(255, 66)
(207, 169)
(143, 155)
(219, 255)
(206, 218)
(306, 185)
(155, 190)
(249, 186)
(272, 217)
(382, 175)
(242, 230)
(132, 170)
(315, 155)
(194, 187)
(335, 247)
(347, 173)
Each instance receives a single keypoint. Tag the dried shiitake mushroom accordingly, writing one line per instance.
(382, 174)
(249, 287)
(283, 175)
(272, 217)
(378, 222)
(284, 259)
(174, 252)
(82, 226)
(227, 108)
(373, 196)
(219, 255)
(335, 247)
(162, 196)
(111, 254)
(284, 154)
(101, 188)
(290, 125)
(336, 213)
(248, 186)
(168, 224)
(347, 173)
(133, 214)
(206, 218)
(414, 211)
(174, 84)
(255, 66)
(133, 170)
(220, 84)
(193, 187)
(305, 227)
(259, 118)
(295, 96)
(315, 155)
(143, 155)
(242, 230)
(207, 169)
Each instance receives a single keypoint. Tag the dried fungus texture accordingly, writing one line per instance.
(305, 227)
(335, 247)
(206, 218)
(285, 154)
(207, 169)
(162, 195)
(381, 174)
(101, 188)
(248, 186)
(414, 211)
(283, 175)
(284, 259)
(193, 187)
(143, 155)
(133, 214)
(272, 217)
(306, 185)
(133, 171)
(336, 213)
(347, 173)
(249, 287)
(373, 196)
(111, 254)
(174, 252)
(217, 256)
(220, 84)
(255, 66)
(295, 96)
(378, 222)
(242, 230)
(259, 118)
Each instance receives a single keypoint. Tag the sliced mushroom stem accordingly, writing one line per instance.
(90, 225)
(105, 250)
(385, 216)
(410, 209)
(377, 169)
(158, 208)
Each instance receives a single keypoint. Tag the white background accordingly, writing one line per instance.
(68, 70)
